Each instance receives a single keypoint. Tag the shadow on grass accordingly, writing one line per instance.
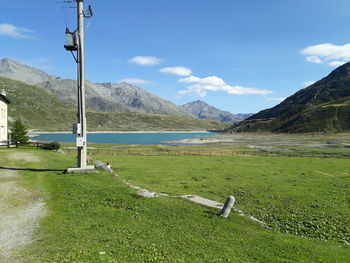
(211, 214)
(31, 169)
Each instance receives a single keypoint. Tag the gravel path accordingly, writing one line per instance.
(20, 212)
(21, 156)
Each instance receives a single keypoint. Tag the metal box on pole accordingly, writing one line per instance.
(71, 41)
(77, 128)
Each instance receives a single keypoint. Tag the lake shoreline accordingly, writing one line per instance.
(118, 137)
(36, 133)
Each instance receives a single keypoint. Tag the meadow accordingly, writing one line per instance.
(97, 218)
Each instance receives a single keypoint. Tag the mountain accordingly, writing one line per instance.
(14, 70)
(202, 110)
(321, 107)
(110, 97)
(243, 116)
(39, 109)
(107, 97)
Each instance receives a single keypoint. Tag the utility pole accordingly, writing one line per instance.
(75, 42)
(81, 140)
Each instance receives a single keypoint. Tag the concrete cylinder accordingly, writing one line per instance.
(225, 212)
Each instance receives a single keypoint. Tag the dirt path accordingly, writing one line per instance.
(22, 156)
(20, 212)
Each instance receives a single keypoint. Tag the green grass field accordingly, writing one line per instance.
(303, 196)
(305, 203)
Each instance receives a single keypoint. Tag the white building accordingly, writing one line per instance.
(4, 101)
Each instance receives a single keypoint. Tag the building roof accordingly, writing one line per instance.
(4, 98)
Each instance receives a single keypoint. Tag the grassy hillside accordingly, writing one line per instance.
(322, 107)
(41, 110)
(327, 117)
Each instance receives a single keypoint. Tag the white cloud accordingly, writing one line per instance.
(211, 80)
(135, 81)
(276, 99)
(308, 83)
(327, 53)
(15, 32)
(179, 71)
(314, 59)
(145, 61)
(193, 89)
(201, 86)
(336, 63)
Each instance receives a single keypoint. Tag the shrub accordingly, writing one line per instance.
(51, 146)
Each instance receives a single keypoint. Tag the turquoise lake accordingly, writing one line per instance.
(123, 138)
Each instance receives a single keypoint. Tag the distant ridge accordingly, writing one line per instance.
(113, 97)
(202, 110)
(107, 97)
(14, 70)
(39, 109)
(321, 107)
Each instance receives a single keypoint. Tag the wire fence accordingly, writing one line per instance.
(131, 152)
(30, 144)
(145, 152)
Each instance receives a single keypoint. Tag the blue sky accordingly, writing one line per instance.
(237, 55)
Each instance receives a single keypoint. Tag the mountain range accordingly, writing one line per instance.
(39, 109)
(321, 107)
(202, 110)
(105, 97)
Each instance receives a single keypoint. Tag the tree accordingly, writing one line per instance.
(19, 132)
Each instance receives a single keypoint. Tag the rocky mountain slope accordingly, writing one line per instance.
(39, 109)
(14, 70)
(99, 96)
(321, 107)
(111, 97)
(200, 109)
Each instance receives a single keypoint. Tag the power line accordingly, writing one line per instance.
(64, 10)
(19, 4)
(22, 2)
(29, 7)
(26, 3)
(32, 4)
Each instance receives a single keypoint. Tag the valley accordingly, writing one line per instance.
(174, 131)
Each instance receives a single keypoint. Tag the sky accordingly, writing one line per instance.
(242, 56)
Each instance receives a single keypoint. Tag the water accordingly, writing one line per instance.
(123, 138)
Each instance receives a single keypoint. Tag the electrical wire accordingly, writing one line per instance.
(44, 4)
(65, 16)
(29, 4)
(87, 24)
(23, 2)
